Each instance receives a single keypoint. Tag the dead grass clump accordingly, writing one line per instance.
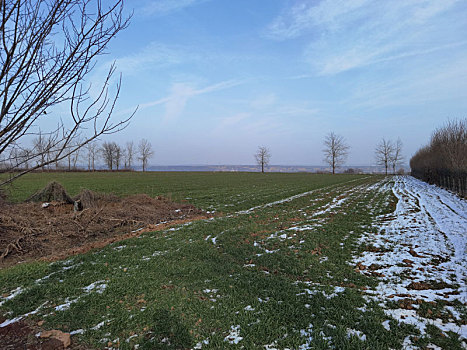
(53, 192)
(91, 199)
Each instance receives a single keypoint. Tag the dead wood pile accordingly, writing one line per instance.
(29, 230)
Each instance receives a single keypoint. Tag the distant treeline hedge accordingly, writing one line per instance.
(444, 161)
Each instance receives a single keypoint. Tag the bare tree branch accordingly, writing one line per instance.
(47, 50)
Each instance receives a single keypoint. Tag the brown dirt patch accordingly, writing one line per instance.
(428, 285)
(22, 335)
(30, 231)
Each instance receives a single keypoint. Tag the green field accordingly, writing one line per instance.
(225, 192)
(274, 272)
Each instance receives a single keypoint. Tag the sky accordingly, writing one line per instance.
(215, 79)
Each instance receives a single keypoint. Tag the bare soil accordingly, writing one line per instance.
(52, 231)
(23, 335)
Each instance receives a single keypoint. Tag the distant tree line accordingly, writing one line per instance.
(444, 160)
(44, 148)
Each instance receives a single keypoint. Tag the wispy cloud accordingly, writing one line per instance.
(152, 56)
(433, 84)
(164, 7)
(344, 35)
(180, 93)
(305, 16)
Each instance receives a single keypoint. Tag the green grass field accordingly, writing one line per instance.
(263, 276)
(225, 192)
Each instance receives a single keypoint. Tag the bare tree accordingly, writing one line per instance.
(108, 150)
(40, 149)
(93, 152)
(384, 153)
(129, 154)
(118, 155)
(25, 155)
(396, 157)
(15, 158)
(262, 157)
(335, 151)
(145, 152)
(47, 50)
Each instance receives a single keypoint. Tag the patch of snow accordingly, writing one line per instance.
(199, 345)
(424, 239)
(210, 290)
(131, 337)
(8, 322)
(98, 287)
(234, 336)
(307, 334)
(99, 325)
(66, 305)
(353, 332)
(13, 294)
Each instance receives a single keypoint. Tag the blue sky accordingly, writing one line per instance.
(214, 79)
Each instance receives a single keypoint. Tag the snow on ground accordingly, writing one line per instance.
(234, 336)
(420, 255)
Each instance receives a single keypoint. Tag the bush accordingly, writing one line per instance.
(444, 161)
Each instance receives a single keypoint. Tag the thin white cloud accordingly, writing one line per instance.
(153, 56)
(344, 35)
(432, 84)
(306, 15)
(164, 7)
(180, 93)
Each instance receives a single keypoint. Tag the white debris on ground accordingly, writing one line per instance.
(419, 252)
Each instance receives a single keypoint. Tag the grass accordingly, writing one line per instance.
(277, 277)
(226, 192)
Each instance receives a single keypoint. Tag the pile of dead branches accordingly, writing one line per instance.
(51, 223)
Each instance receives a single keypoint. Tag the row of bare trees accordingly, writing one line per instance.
(389, 154)
(444, 160)
(113, 155)
(336, 150)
